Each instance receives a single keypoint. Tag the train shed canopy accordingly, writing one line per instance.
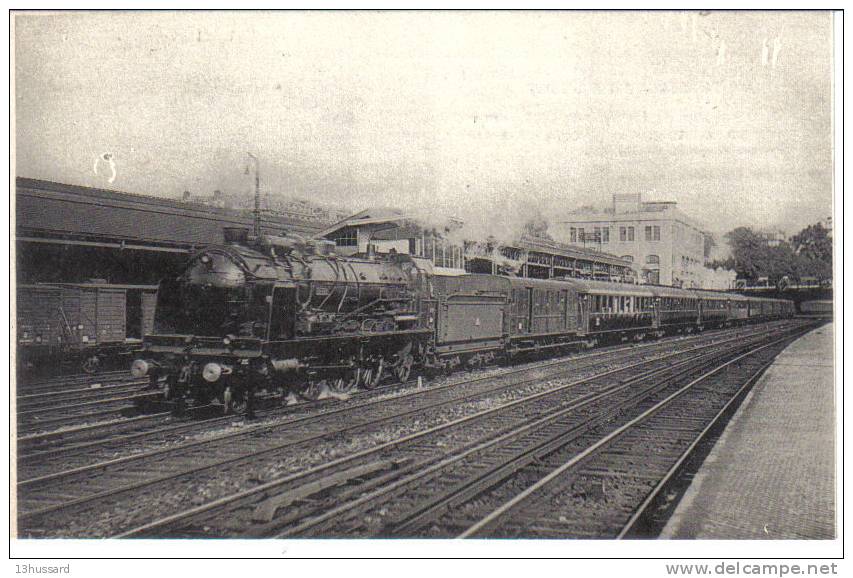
(48, 212)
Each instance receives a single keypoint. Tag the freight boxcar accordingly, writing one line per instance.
(82, 323)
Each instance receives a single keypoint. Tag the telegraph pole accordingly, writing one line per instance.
(257, 211)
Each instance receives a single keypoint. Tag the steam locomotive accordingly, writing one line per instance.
(282, 313)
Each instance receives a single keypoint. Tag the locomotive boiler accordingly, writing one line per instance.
(281, 313)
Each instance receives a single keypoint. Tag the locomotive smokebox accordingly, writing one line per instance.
(236, 235)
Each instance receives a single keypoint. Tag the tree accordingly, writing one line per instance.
(709, 244)
(537, 228)
(808, 255)
(749, 252)
(815, 243)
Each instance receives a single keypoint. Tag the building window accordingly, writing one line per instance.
(652, 233)
(623, 234)
(629, 258)
(573, 235)
(581, 236)
(653, 260)
(630, 233)
(605, 235)
(347, 238)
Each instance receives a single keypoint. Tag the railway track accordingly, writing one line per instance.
(630, 466)
(84, 489)
(50, 453)
(94, 392)
(412, 491)
(44, 417)
(61, 383)
(38, 441)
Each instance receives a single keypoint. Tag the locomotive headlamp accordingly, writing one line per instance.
(213, 371)
(205, 259)
(139, 368)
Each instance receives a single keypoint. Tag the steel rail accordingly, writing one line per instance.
(170, 429)
(372, 451)
(492, 517)
(338, 410)
(665, 482)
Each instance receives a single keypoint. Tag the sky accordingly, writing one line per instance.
(491, 117)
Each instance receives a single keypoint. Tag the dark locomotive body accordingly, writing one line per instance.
(281, 313)
(276, 312)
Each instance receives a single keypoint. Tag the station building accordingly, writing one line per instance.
(383, 229)
(665, 245)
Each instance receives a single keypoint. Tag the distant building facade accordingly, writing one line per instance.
(773, 237)
(382, 230)
(665, 245)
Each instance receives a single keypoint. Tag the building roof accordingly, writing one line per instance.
(48, 209)
(646, 211)
(574, 252)
(378, 217)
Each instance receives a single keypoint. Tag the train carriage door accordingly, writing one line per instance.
(520, 310)
(531, 295)
(133, 314)
(582, 313)
(655, 308)
(149, 304)
(564, 309)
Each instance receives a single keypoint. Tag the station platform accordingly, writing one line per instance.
(771, 475)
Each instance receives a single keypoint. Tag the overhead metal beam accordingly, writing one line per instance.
(103, 244)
